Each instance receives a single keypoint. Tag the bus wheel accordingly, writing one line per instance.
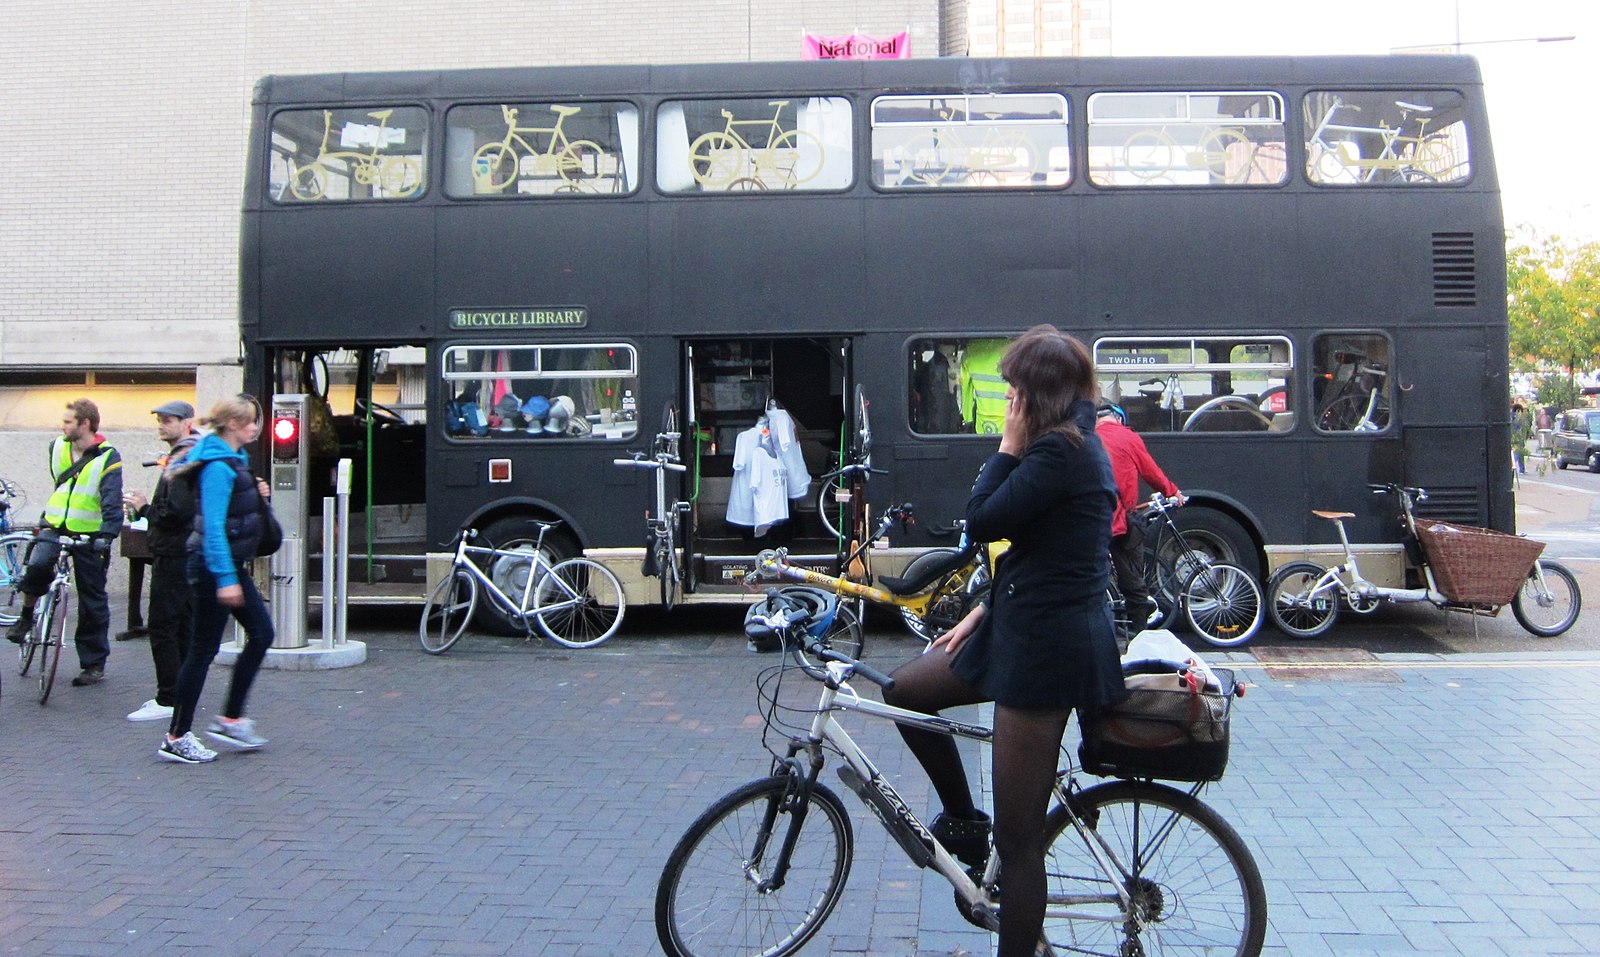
(517, 532)
(1220, 537)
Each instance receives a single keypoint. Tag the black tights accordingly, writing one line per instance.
(1026, 745)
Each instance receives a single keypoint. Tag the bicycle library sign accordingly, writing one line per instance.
(544, 317)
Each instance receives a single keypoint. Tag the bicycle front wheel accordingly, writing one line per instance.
(1548, 602)
(667, 567)
(51, 636)
(1223, 604)
(710, 901)
(13, 553)
(578, 603)
(1192, 885)
(448, 609)
(845, 635)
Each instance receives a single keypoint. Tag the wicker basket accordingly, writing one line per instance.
(1477, 566)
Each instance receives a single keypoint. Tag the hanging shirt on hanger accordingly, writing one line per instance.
(759, 496)
(781, 427)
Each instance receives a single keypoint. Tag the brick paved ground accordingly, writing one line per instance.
(515, 800)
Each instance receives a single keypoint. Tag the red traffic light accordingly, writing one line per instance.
(285, 429)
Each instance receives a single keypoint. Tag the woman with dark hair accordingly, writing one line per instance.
(1042, 644)
(227, 528)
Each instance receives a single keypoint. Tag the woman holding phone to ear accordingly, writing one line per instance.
(1042, 643)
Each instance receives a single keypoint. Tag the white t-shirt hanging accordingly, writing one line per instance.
(758, 497)
(781, 425)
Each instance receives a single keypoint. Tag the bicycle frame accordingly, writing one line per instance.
(518, 612)
(901, 822)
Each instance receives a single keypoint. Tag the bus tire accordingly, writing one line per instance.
(513, 531)
(1219, 536)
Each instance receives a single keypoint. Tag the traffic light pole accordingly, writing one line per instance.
(289, 468)
(289, 493)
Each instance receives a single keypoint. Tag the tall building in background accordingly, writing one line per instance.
(1033, 28)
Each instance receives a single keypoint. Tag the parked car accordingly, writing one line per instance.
(1577, 439)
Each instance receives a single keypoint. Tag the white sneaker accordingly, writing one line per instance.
(186, 750)
(240, 733)
(150, 711)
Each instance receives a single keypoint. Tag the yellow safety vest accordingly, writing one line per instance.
(983, 391)
(75, 504)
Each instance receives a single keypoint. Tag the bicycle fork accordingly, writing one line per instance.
(800, 776)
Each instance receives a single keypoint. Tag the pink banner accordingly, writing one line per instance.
(856, 46)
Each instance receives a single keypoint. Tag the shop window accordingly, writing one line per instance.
(955, 386)
(754, 145)
(1350, 382)
(527, 149)
(541, 392)
(982, 141)
(1157, 139)
(1376, 137)
(362, 153)
(1198, 383)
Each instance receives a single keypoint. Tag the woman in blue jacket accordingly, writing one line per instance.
(1043, 643)
(227, 528)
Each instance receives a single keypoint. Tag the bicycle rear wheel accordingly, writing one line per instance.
(578, 603)
(1192, 884)
(667, 566)
(448, 610)
(13, 552)
(1549, 608)
(51, 635)
(1296, 606)
(1223, 604)
(709, 901)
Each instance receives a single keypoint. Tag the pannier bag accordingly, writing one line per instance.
(1172, 727)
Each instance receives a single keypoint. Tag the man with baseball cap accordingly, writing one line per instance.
(171, 517)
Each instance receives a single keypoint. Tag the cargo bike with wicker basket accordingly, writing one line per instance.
(1462, 568)
(1133, 866)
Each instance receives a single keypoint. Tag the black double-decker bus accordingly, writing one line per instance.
(1290, 271)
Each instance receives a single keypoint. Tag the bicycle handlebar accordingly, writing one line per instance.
(852, 468)
(789, 625)
(1385, 488)
(643, 463)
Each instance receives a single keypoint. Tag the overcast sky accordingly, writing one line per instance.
(1542, 96)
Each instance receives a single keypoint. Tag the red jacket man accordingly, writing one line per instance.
(1130, 462)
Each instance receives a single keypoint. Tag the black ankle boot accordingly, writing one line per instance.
(19, 629)
(967, 839)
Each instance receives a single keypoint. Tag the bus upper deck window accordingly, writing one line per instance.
(353, 153)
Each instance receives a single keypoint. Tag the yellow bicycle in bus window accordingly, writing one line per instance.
(943, 158)
(575, 162)
(385, 176)
(727, 157)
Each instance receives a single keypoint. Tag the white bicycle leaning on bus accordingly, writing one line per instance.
(577, 603)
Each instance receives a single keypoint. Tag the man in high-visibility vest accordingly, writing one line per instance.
(87, 501)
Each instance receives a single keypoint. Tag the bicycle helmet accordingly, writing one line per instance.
(820, 605)
(534, 410)
(561, 408)
(1109, 408)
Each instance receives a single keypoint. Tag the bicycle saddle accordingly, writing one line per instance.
(929, 575)
(1332, 515)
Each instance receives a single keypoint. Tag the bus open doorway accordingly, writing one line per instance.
(761, 407)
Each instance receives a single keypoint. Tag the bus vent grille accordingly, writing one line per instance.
(1459, 505)
(1455, 270)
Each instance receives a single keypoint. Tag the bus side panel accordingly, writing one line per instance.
(758, 265)
(1197, 261)
(971, 263)
(527, 254)
(327, 275)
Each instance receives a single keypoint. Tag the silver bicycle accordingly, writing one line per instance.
(576, 603)
(1133, 866)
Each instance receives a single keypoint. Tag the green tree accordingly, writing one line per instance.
(1553, 301)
